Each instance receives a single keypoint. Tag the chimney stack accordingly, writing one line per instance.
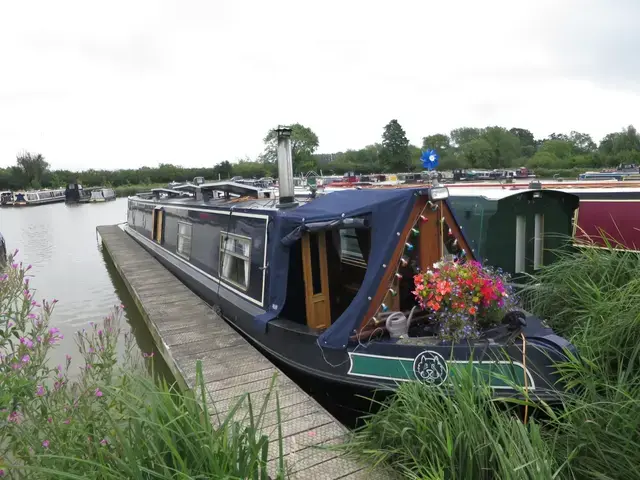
(285, 168)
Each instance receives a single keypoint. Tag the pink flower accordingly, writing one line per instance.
(98, 392)
(26, 359)
(53, 331)
(14, 265)
(68, 357)
(148, 355)
(25, 341)
(103, 442)
(10, 324)
(45, 443)
(122, 306)
(67, 421)
(1, 472)
(28, 267)
(40, 391)
(49, 420)
(55, 300)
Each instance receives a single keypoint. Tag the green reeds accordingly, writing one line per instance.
(592, 297)
(155, 432)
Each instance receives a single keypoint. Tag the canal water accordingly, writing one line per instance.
(68, 264)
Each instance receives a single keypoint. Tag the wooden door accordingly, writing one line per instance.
(316, 280)
(158, 224)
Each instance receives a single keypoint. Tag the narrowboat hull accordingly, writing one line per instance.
(378, 366)
(362, 362)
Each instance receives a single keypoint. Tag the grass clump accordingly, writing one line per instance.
(590, 296)
(113, 421)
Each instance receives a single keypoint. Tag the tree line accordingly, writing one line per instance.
(467, 147)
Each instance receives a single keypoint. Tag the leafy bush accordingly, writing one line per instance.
(113, 421)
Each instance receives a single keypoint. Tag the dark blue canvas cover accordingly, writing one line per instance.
(387, 212)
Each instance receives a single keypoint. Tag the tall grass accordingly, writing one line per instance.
(592, 297)
(130, 190)
(429, 433)
(112, 421)
(154, 431)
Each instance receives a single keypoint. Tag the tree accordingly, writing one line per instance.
(438, 142)
(582, 143)
(504, 145)
(33, 167)
(478, 153)
(224, 169)
(396, 155)
(303, 143)
(527, 141)
(463, 135)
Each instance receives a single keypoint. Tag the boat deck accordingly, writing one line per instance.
(186, 329)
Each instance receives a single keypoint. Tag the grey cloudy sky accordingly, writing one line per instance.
(139, 82)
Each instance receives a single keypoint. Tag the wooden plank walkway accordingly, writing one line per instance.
(186, 329)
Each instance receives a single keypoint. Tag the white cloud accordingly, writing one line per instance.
(125, 84)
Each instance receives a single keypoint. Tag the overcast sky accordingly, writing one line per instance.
(140, 82)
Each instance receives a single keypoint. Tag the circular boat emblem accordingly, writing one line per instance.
(429, 367)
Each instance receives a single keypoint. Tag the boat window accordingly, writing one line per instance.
(184, 239)
(235, 259)
(350, 248)
(32, 196)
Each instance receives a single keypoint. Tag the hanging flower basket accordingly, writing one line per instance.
(464, 298)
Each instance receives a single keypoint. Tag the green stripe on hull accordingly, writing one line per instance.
(499, 375)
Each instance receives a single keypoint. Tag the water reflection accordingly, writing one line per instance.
(60, 242)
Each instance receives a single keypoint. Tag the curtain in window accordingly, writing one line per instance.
(246, 247)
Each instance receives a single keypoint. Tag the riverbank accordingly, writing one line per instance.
(593, 298)
(129, 190)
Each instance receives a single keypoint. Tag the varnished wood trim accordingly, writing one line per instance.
(430, 242)
(455, 230)
(387, 277)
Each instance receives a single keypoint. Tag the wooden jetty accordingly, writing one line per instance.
(186, 329)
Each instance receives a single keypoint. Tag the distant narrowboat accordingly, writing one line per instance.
(38, 197)
(6, 198)
(307, 281)
(98, 195)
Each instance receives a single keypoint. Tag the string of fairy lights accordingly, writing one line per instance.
(404, 261)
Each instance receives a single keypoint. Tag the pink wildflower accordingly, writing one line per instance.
(67, 421)
(45, 443)
(10, 324)
(148, 355)
(98, 392)
(49, 420)
(103, 442)
(14, 265)
(26, 359)
(40, 391)
(54, 330)
(68, 357)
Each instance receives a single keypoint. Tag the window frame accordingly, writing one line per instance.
(346, 256)
(179, 235)
(224, 252)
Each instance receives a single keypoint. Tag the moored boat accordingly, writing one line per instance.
(6, 198)
(74, 193)
(38, 197)
(324, 285)
(607, 215)
(98, 195)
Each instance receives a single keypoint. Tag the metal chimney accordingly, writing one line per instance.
(285, 168)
